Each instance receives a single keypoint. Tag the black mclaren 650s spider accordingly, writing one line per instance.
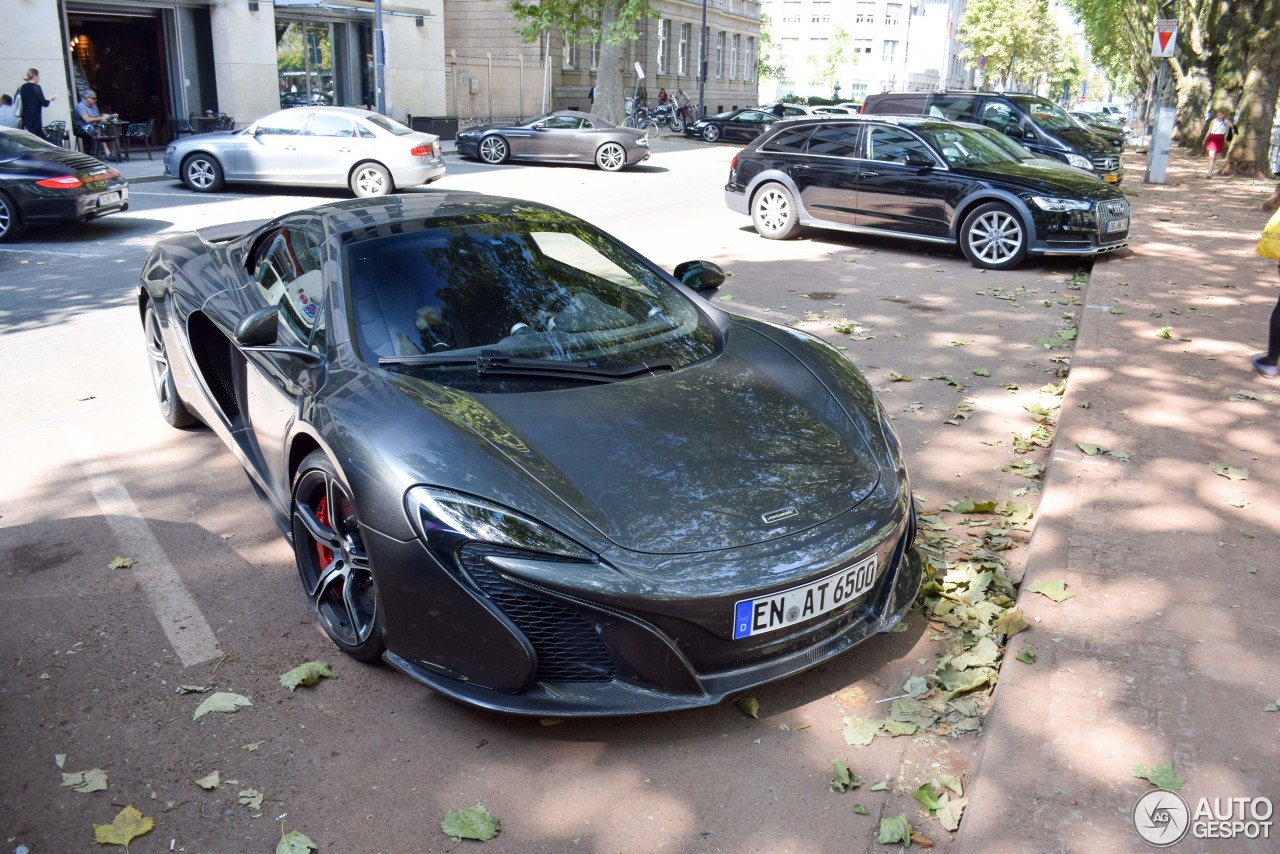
(527, 467)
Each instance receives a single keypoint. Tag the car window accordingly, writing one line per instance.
(956, 108)
(21, 143)
(961, 146)
(754, 117)
(895, 145)
(288, 275)
(389, 125)
(789, 140)
(542, 289)
(328, 124)
(835, 141)
(562, 123)
(999, 115)
(1046, 114)
(284, 123)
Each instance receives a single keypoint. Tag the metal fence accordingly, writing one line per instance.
(490, 88)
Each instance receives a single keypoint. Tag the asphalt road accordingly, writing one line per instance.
(91, 658)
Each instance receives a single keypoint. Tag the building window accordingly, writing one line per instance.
(597, 35)
(861, 46)
(892, 13)
(890, 50)
(749, 65)
(570, 58)
(664, 36)
(865, 13)
(734, 52)
(686, 35)
(720, 54)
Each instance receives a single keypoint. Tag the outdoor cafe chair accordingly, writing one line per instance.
(139, 133)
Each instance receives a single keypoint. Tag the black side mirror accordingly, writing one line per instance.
(699, 275)
(258, 329)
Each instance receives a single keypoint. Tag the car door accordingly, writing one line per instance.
(328, 150)
(748, 124)
(827, 174)
(896, 195)
(555, 138)
(271, 154)
(286, 269)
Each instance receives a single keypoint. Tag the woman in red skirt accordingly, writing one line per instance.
(1215, 139)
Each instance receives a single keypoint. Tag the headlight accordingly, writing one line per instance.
(448, 519)
(170, 150)
(1078, 161)
(1047, 203)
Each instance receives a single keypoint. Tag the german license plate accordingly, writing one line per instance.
(108, 199)
(1111, 179)
(766, 614)
(1118, 225)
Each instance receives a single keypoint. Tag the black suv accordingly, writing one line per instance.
(925, 179)
(1041, 126)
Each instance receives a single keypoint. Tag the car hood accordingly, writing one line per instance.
(1047, 179)
(743, 448)
(1086, 142)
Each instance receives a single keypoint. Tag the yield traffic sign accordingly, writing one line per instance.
(1165, 39)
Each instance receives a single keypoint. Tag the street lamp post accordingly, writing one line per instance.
(379, 59)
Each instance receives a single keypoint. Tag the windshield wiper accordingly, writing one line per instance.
(492, 363)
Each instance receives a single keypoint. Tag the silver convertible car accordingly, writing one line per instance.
(310, 147)
(564, 136)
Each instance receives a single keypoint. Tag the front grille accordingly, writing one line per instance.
(1107, 165)
(567, 645)
(1109, 212)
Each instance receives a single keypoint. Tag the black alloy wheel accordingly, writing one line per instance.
(993, 237)
(172, 409)
(10, 221)
(336, 572)
(711, 133)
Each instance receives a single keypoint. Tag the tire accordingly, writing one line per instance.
(494, 150)
(369, 180)
(11, 225)
(611, 157)
(993, 237)
(677, 124)
(711, 133)
(172, 409)
(773, 212)
(202, 173)
(333, 564)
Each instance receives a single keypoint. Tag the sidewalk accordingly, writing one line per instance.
(1168, 651)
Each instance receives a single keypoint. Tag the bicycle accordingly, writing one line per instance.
(640, 118)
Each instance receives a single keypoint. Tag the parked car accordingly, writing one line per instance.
(1098, 127)
(924, 179)
(44, 184)
(1041, 126)
(735, 125)
(836, 111)
(310, 147)
(524, 465)
(563, 136)
(1107, 112)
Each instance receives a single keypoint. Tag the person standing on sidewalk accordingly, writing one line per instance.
(1269, 247)
(1215, 139)
(33, 102)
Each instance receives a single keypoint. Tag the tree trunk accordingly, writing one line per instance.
(1247, 154)
(610, 96)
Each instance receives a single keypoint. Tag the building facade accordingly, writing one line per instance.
(181, 59)
(848, 49)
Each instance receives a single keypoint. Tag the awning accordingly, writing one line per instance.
(399, 9)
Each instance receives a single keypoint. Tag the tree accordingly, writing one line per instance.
(828, 65)
(1016, 37)
(617, 25)
(771, 64)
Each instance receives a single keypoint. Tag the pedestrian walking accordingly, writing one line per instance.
(31, 103)
(1215, 138)
(591, 97)
(1268, 363)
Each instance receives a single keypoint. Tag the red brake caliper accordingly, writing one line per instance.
(322, 551)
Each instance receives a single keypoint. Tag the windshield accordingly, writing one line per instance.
(964, 147)
(1046, 114)
(548, 289)
(21, 143)
(389, 125)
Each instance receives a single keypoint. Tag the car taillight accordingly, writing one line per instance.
(62, 182)
(733, 164)
(422, 150)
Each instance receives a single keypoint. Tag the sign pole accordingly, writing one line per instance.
(1163, 43)
(379, 58)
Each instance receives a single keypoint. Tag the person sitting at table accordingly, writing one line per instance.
(86, 116)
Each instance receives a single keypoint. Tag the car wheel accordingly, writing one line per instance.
(334, 565)
(371, 179)
(711, 133)
(773, 212)
(202, 173)
(494, 149)
(993, 237)
(173, 410)
(10, 221)
(611, 157)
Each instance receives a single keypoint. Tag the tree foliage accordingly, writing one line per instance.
(1019, 39)
(771, 64)
(611, 22)
(828, 64)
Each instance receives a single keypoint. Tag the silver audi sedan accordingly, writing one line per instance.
(310, 147)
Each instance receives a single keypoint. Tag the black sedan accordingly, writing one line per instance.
(42, 184)
(925, 179)
(527, 467)
(565, 136)
(735, 125)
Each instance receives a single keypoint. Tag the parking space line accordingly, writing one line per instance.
(186, 628)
